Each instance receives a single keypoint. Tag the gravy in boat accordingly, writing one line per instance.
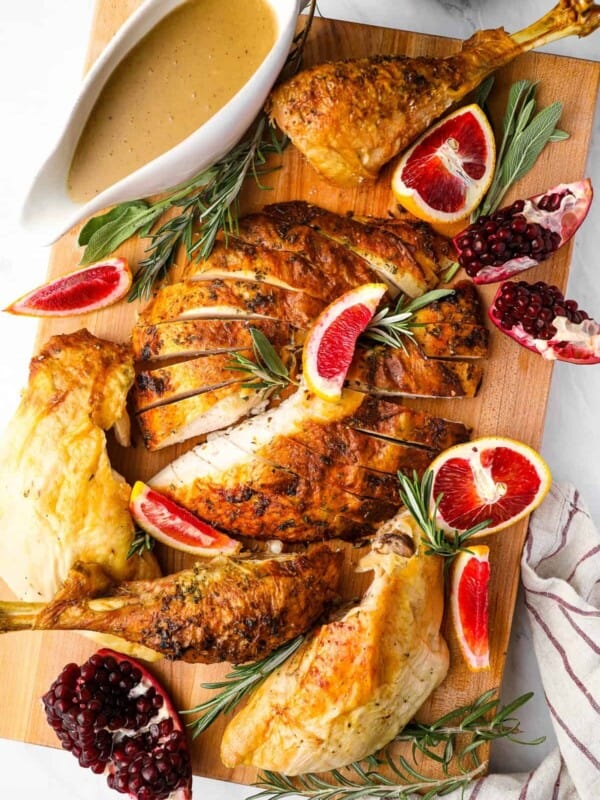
(180, 74)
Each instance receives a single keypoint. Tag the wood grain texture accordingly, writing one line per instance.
(512, 401)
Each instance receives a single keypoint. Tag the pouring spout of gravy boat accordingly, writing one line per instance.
(49, 211)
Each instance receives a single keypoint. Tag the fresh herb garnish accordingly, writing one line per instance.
(472, 720)
(450, 272)
(416, 494)
(391, 326)
(452, 741)
(483, 92)
(203, 206)
(524, 136)
(236, 685)
(142, 541)
(268, 370)
(199, 208)
(363, 780)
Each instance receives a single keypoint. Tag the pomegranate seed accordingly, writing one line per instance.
(528, 230)
(90, 706)
(535, 307)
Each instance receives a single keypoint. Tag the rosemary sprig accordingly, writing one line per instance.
(236, 685)
(524, 136)
(363, 782)
(204, 205)
(142, 541)
(268, 370)
(471, 722)
(391, 326)
(451, 741)
(201, 206)
(417, 497)
(483, 92)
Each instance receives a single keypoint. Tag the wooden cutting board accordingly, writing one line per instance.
(512, 400)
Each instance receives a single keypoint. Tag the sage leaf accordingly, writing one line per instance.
(450, 272)
(427, 298)
(524, 138)
(95, 223)
(520, 92)
(105, 239)
(484, 91)
(267, 355)
(527, 146)
(524, 116)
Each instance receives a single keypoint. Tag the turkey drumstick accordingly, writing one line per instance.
(225, 609)
(351, 117)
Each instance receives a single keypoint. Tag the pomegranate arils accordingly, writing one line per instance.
(524, 234)
(108, 713)
(535, 306)
(491, 239)
(539, 318)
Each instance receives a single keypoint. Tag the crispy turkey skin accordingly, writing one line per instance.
(307, 469)
(222, 609)
(349, 118)
(357, 679)
(60, 500)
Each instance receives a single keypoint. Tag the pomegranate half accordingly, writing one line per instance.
(538, 317)
(524, 234)
(116, 719)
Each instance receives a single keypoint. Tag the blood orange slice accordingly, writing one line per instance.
(175, 526)
(329, 345)
(445, 174)
(493, 478)
(80, 292)
(469, 605)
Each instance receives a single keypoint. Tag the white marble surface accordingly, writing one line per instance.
(42, 46)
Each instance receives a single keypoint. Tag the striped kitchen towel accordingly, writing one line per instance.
(560, 570)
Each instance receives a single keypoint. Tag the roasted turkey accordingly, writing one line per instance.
(351, 117)
(60, 500)
(275, 276)
(295, 227)
(357, 679)
(222, 609)
(308, 469)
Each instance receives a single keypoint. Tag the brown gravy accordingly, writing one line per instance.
(180, 74)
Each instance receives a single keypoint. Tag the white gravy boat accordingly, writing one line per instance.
(49, 211)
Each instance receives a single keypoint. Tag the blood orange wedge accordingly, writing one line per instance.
(175, 526)
(469, 605)
(445, 174)
(80, 292)
(329, 345)
(493, 478)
